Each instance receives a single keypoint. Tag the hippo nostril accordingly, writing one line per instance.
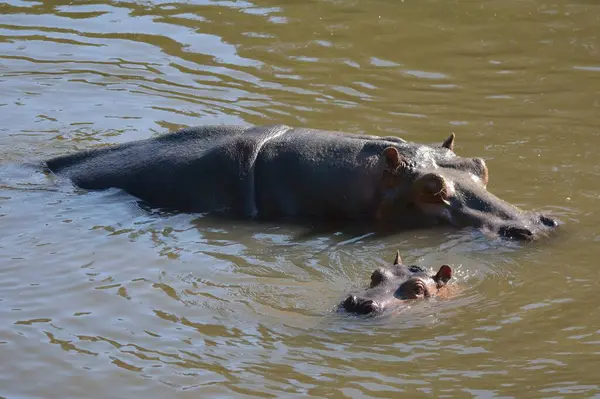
(546, 221)
(515, 233)
(361, 306)
(350, 303)
(368, 306)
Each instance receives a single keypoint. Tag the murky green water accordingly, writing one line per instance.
(99, 299)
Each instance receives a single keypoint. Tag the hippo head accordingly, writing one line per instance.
(391, 287)
(452, 190)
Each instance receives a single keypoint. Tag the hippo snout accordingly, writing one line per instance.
(541, 224)
(361, 306)
(516, 233)
(548, 222)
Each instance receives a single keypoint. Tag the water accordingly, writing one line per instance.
(99, 298)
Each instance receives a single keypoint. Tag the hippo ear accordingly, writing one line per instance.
(393, 159)
(431, 189)
(449, 142)
(443, 275)
(398, 260)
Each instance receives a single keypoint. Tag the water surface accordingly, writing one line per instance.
(99, 298)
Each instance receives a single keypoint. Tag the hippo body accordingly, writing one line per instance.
(278, 171)
(262, 171)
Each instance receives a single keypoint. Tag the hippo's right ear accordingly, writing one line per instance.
(443, 275)
(449, 142)
(392, 158)
(398, 259)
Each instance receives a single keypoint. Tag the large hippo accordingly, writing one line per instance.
(391, 287)
(278, 171)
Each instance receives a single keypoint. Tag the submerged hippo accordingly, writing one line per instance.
(278, 171)
(392, 286)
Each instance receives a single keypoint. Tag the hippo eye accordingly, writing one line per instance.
(416, 269)
(419, 290)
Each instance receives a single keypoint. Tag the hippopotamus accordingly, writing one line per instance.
(277, 171)
(391, 287)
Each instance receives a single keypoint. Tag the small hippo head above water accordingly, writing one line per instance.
(392, 286)
(452, 190)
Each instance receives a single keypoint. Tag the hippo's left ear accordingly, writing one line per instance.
(449, 142)
(443, 275)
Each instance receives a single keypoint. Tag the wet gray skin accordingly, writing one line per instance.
(455, 192)
(279, 172)
(391, 288)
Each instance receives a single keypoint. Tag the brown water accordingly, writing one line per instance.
(99, 299)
